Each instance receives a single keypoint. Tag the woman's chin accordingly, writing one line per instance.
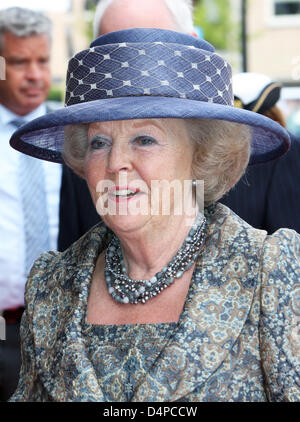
(125, 223)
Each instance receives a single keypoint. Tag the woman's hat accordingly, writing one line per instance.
(147, 73)
(255, 91)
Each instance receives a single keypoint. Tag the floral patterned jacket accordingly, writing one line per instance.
(237, 338)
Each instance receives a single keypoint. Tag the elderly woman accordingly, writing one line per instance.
(172, 296)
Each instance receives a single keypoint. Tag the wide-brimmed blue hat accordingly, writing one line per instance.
(147, 73)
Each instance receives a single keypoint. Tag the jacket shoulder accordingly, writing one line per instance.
(280, 310)
(234, 232)
(36, 280)
(63, 271)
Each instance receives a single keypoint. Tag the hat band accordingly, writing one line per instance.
(148, 69)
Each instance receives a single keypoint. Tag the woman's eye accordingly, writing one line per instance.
(97, 143)
(144, 140)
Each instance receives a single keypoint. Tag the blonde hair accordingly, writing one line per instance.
(75, 146)
(221, 153)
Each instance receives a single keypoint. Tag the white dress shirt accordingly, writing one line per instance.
(12, 246)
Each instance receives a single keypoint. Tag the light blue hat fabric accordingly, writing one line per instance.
(147, 73)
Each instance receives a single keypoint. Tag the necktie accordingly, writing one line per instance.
(31, 179)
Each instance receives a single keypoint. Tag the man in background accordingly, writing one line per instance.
(77, 212)
(115, 15)
(29, 192)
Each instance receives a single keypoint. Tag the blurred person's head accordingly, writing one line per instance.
(259, 93)
(25, 43)
(114, 15)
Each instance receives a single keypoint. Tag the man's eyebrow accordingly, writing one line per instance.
(11, 58)
(25, 58)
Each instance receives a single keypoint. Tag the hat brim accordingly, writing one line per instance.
(43, 137)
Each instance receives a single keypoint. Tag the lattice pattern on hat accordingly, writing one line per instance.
(148, 69)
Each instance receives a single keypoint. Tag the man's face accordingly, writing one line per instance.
(28, 75)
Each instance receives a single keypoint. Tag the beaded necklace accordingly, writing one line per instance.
(123, 289)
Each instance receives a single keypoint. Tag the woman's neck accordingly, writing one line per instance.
(148, 250)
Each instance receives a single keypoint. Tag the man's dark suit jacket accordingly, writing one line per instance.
(267, 197)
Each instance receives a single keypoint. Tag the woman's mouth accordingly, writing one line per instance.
(123, 194)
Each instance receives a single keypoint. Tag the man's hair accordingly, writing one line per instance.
(181, 11)
(23, 23)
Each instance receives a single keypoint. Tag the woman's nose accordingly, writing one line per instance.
(119, 160)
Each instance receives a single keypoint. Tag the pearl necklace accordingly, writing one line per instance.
(125, 290)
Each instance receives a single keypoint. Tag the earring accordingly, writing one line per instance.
(194, 187)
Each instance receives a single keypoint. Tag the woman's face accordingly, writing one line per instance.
(135, 170)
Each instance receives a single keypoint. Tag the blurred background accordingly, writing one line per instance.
(254, 35)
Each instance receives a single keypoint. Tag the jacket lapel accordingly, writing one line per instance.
(61, 348)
